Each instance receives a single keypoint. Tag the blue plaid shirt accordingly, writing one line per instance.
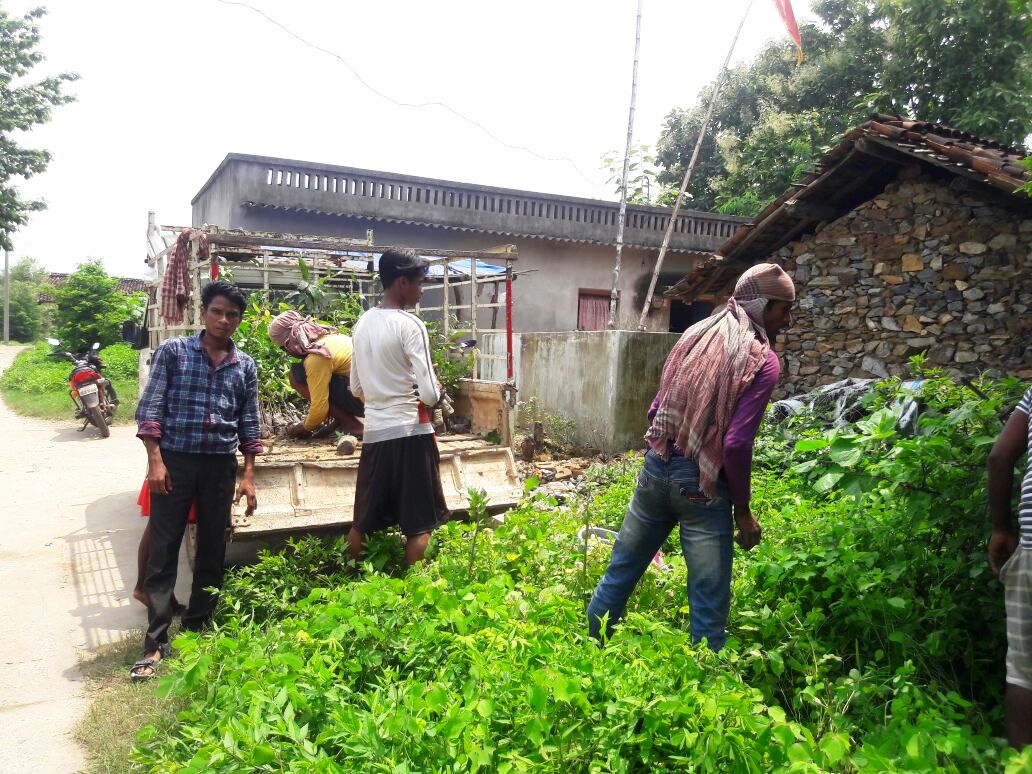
(192, 406)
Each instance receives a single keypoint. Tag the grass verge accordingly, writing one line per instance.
(36, 384)
(57, 405)
(118, 708)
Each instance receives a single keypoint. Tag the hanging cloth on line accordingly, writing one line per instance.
(176, 286)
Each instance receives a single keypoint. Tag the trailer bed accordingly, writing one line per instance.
(305, 486)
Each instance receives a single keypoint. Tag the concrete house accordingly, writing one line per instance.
(909, 239)
(565, 244)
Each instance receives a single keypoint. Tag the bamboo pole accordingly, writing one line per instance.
(473, 317)
(7, 296)
(615, 292)
(643, 320)
(446, 302)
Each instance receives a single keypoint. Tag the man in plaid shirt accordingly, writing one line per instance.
(200, 403)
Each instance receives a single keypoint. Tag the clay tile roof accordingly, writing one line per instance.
(999, 163)
(56, 279)
(131, 285)
(855, 170)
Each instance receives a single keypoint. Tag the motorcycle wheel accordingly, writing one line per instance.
(112, 396)
(97, 418)
(112, 402)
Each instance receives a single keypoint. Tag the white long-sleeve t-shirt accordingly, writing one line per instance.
(392, 373)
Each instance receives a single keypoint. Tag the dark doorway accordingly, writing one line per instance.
(684, 316)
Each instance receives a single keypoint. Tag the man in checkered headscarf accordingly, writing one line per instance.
(715, 386)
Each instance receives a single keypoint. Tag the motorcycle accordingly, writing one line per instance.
(94, 396)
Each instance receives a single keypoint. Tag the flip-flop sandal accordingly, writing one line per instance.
(148, 663)
(144, 663)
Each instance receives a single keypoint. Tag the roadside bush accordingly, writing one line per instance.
(25, 317)
(121, 361)
(89, 309)
(33, 370)
(37, 384)
(866, 633)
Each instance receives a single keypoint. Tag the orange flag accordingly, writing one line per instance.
(785, 9)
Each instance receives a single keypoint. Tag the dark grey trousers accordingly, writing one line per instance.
(210, 479)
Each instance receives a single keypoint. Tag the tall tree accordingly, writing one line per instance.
(966, 63)
(23, 105)
(25, 316)
(29, 270)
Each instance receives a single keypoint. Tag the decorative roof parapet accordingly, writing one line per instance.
(260, 181)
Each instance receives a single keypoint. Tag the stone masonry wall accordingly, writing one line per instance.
(924, 267)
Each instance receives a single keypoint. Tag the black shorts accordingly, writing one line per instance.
(399, 483)
(340, 391)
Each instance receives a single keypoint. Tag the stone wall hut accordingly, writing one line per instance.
(909, 238)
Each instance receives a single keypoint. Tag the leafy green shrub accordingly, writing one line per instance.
(89, 308)
(340, 310)
(449, 365)
(37, 384)
(439, 670)
(33, 370)
(134, 308)
(25, 317)
(612, 488)
(866, 634)
(121, 361)
(275, 394)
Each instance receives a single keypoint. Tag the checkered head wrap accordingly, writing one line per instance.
(299, 335)
(710, 367)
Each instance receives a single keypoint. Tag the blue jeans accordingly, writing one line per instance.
(668, 494)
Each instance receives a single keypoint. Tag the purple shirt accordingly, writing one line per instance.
(741, 433)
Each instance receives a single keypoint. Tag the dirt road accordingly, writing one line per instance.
(70, 529)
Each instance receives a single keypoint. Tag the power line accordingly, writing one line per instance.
(400, 103)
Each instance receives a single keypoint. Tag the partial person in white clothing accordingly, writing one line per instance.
(1010, 557)
(399, 476)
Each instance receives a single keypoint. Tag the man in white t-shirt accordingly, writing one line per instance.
(399, 476)
(1010, 557)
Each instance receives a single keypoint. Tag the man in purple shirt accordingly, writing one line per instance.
(199, 406)
(715, 387)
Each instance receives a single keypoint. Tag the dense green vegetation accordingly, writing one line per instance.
(90, 309)
(867, 632)
(340, 310)
(37, 384)
(927, 59)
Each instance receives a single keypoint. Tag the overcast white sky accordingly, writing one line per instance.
(168, 88)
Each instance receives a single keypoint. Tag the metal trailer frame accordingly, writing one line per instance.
(275, 256)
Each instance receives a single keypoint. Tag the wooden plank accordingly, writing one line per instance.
(269, 239)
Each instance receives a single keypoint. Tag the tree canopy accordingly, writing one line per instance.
(966, 63)
(24, 103)
(89, 308)
(26, 317)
